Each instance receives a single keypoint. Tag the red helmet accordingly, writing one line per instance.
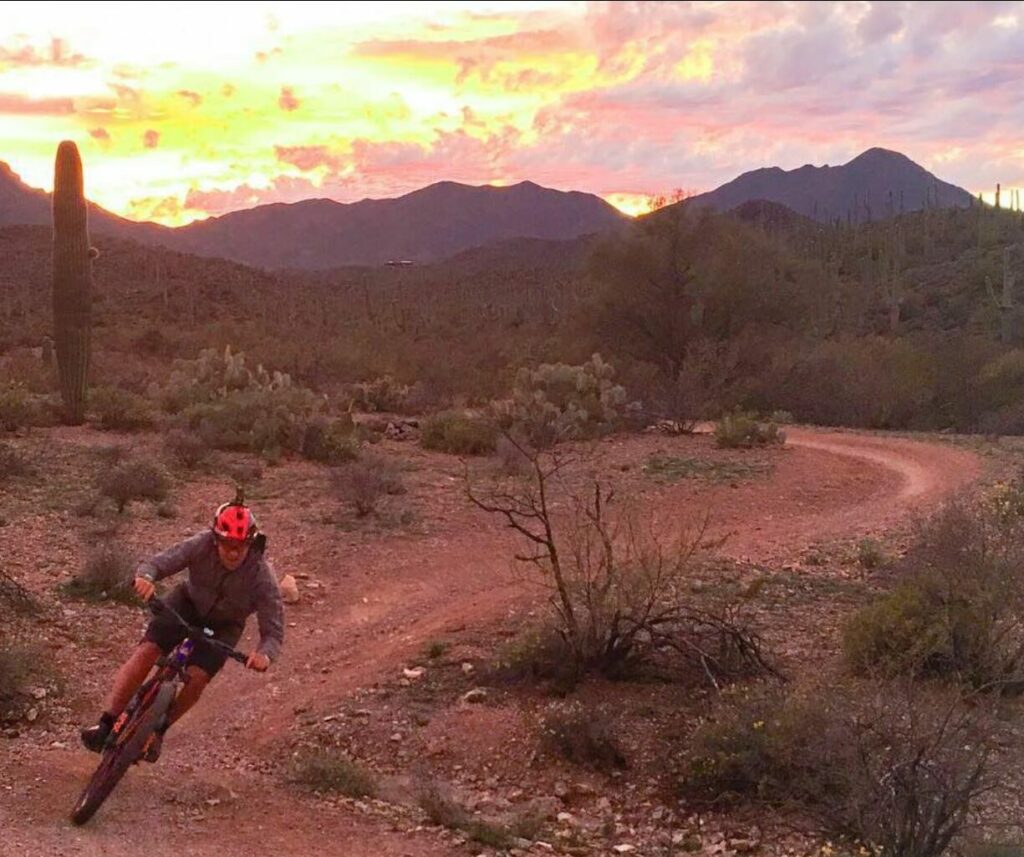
(235, 521)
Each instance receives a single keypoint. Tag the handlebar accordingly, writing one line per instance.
(156, 606)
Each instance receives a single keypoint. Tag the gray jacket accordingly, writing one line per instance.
(223, 596)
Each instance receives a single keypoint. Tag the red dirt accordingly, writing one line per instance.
(379, 599)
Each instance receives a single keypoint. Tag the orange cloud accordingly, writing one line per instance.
(151, 139)
(18, 104)
(308, 158)
(101, 134)
(193, 98)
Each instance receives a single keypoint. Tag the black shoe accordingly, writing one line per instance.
(95, 737)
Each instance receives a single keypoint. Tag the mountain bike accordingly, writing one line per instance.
(146, 712)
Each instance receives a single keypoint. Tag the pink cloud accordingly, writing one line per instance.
(151, 139)
(15, 103)
(101, 134)
(287, 100)
(56, 53)
(307, 157)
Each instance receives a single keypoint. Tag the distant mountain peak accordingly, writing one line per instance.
(875, 184)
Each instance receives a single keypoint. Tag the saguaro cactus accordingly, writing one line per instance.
(72, 281)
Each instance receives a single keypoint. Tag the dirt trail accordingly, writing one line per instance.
(387, 597)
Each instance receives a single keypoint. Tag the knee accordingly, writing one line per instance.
(147, 653)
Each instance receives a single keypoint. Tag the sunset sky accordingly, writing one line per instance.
(185, 110)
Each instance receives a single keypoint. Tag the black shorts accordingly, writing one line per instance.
(165, 631)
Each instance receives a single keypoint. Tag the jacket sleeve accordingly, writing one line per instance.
(269, 613)
(174, 559)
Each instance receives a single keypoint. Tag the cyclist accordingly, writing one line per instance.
(228, 580)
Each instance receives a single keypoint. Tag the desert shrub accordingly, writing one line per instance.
(133, 480)
(105, 576)
(581, 735)
(331, 442)
(538, 654)
(366, 482)
(15, 406)
(620, 596)
(12, 463)
(740, 429)
(382, 394)
(16, 668)
(958, 613)
(459, 433)
(185, 449)
(870, 554)
(120, 410)
(235, 408)
(558, 402)
(442, 810)
(897, 767)
(330, 770)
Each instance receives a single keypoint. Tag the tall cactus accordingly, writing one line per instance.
(72, 281)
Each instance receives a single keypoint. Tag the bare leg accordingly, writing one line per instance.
(189, 694)
(131, 676)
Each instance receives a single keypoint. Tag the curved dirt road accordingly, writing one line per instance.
(211, 795)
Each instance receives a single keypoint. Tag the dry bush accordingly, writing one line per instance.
(16, 669)
(16, 409)
(581, 735)
(459, 433)
(444, 811)
(120, 410)
(185, 449)
(15, 597)
(133, 480)
(12, 463)
(329, 770)
(106, 576)
(366, 482)
(959, 612)
(331, 442)
(895, 766)
(619, 592)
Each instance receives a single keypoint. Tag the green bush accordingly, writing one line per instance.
(329, 770)
(382, 395)
(232, 407)
(133, 480)
(826, 750)
(120, 410)
(870, 554)
(459, 433)
(106, 576)
(16, 409)
(957, 615)
(331, 442)
(740, 429)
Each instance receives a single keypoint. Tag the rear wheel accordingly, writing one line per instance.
(120, 757)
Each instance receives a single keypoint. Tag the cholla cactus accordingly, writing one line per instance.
(557, 401)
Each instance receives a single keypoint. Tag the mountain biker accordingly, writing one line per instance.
(228, 580)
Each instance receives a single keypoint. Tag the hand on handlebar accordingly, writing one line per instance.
(144, 588)
(257, 661)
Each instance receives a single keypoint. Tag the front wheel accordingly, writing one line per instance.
(117, 759)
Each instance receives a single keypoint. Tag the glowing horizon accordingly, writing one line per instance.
(188, 110)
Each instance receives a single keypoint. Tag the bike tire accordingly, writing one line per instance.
(119, 758)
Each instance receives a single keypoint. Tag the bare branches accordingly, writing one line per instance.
(619, 588)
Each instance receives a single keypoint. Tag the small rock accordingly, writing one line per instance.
(467, 667)
(38, 692)
(624, 848)
(566, 818)
(289, 589)
(32, 714)
(58, 745)
(414, 673)
(476, 695)
(561, 790)
(396, 737)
